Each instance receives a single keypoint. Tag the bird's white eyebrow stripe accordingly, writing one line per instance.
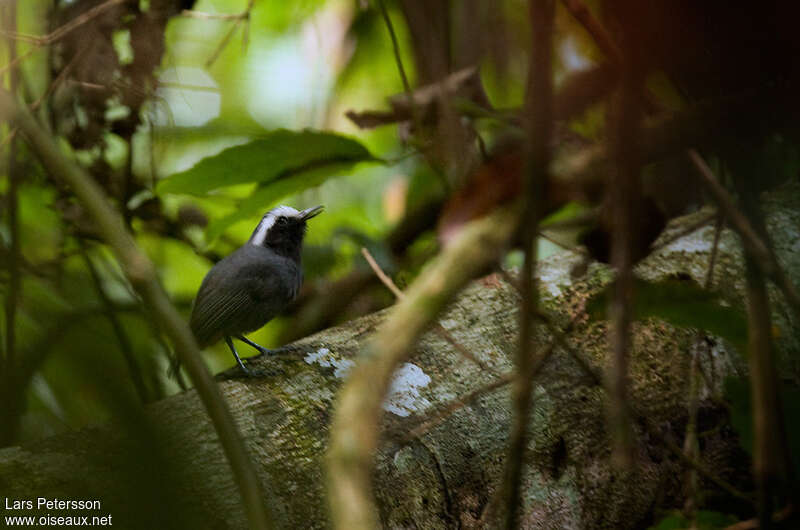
(260, 233)
(286, 211)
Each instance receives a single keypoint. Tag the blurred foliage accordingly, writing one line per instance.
(682, 303)
(195, 124)
(704, 520)
(737, 393)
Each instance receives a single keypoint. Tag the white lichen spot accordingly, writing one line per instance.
(321, 357)
(448, 323)
(404, 393)
(553, 273)
(697, 241)
(343, 367)
(324, 357)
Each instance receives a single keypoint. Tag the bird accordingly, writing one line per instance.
(249, 287)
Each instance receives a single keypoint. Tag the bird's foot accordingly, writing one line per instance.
(283, 351)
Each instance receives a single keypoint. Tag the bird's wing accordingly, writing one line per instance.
(232, 305)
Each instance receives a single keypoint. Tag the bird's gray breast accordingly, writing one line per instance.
(274, 278)
(243, 292)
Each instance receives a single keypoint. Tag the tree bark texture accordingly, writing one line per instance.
(167, 468)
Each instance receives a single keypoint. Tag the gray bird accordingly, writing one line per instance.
(248, 288)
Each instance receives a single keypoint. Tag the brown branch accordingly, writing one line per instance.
(656, 434)
(416, 118)
(763, 256)
(9, 368)
(691, 444)
(142, 275)
(771, 460)
(354, 429)
(596, 375)
(33, 107)
(582, 14)
(577, 92)
(624, 200)
(381, 275)
(437, 327)
(653, 431)
(16, 60)
(539, 114)
(125, 346)
(62, 31)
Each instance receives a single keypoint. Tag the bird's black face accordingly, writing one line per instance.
(282, 230)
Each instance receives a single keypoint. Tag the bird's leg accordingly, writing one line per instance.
(236, 354)
(265, 351)
(261, 349)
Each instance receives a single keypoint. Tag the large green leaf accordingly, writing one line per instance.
(277, 157)
(270, 193)
(682, 303)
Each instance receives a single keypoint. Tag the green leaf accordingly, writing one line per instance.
(681, 303)
(271, 159)
(269, 194)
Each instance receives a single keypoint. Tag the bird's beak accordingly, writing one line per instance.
(308, 213)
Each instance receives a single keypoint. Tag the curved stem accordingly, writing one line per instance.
(142, 275)
(354, 430)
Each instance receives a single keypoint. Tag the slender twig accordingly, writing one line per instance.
(625, 196)
(142, 275)
(695, 464)
(582, 14)
(643, 420)
(539, 117)
(50, 89)
(356, 417)
(415, 117)
(240, 18)
(382, 276)
(691, 444)
(60, 32)
(655, 434)
(697, 225)
(59, 78)
(763, 256)
(437, 327)
(16, 60)
(125, 346)
(223, 43)
(596, 375)
(772, 471)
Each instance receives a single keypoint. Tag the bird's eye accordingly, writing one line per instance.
(281, 220)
